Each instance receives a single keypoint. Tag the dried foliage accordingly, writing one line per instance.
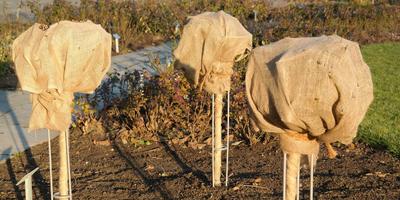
(163, 107)
(363, 24)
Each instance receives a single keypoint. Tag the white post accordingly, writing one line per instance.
(50, 166)
(17, 14)
(284, 175)
(227, 141)
(116, 45)
(312, 177)
(212, 138)
(116, 38)
(28, 184)
(68, 166)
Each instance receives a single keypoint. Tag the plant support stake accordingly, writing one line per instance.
(64, 183)
(28, 184)
(116, 38)
(217, 146)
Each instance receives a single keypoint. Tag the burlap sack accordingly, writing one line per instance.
(208, 47)
(317, 86)
(54, 63)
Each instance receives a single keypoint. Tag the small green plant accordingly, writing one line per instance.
(18, 154)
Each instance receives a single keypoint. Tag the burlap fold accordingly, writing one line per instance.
(54, 63)
(208, 47)
(318, 86)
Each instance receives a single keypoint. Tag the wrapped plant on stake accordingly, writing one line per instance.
(309, 91)
(53, 63)
(209, 45)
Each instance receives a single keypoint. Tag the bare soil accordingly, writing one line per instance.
(112, 170)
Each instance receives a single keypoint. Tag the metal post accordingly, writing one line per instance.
(68, 165)
(284, 175)
(28, 184)
(50, 166)
(312, 177)
(212, 139)
(227, 142)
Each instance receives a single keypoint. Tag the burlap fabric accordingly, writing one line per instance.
(54, 63)
(318, 86)
(208, 47)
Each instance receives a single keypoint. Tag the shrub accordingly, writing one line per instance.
(363, 24)
(8, 32)
(166, 107)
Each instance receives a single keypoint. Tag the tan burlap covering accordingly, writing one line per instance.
(299, 143)
(317, 86)
(208, 47)
(54, 63)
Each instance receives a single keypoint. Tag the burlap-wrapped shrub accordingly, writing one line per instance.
(318, 86)
(53, 63)
(209, 46)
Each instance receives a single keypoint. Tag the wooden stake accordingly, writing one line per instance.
(218, 139)
(293, 166)
(63, 181)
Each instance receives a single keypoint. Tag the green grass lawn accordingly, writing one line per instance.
(381, 126)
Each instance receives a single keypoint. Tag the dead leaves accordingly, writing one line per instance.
(166, 106)
(102, 143)
(257, 181)
(186, 141)
(378, 174)
(149, 167)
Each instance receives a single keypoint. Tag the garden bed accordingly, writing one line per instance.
(113, 170)
(153, 142)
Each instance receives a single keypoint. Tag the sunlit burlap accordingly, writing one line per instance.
(208, 47)
(54, 63)
(318, 86)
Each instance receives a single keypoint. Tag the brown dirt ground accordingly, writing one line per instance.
(165, 171)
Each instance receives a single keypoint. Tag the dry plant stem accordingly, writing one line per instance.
(293, 165)
(63, 181)
(218, 139)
